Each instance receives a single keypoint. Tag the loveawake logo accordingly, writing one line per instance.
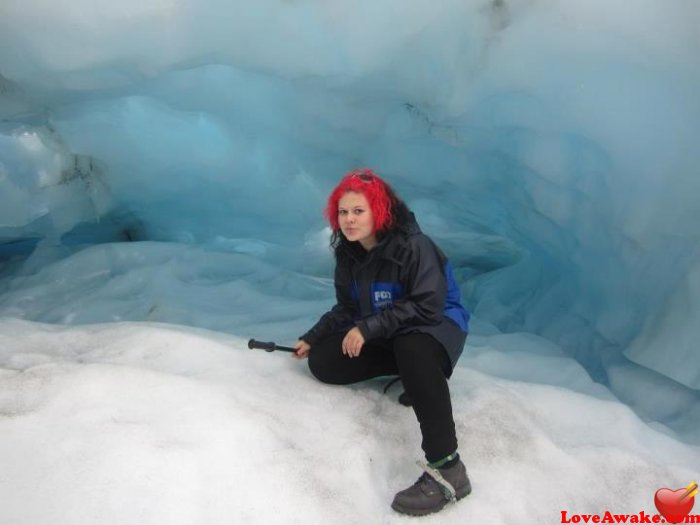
(674, 506)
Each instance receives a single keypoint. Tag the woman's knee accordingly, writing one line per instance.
(325, 362)
(320, 368)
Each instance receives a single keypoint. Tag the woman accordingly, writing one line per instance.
(398, 311)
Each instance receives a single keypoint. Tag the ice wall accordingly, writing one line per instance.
(549, 146)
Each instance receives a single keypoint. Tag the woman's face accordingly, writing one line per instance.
(356, 220)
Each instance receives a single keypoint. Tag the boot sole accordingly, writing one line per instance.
(465, 491)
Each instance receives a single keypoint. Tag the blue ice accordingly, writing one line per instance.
(168, 162)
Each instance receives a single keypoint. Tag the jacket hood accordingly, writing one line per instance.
(412, 227)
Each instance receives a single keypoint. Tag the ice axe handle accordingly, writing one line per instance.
(268, 347)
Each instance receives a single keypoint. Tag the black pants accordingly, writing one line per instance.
(421, 362)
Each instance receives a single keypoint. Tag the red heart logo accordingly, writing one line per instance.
(672, 505)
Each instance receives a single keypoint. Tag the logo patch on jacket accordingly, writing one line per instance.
(384, 294)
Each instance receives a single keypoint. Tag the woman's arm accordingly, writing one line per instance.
(341, 315)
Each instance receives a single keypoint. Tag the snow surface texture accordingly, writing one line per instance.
(136, 423)
(168, 162)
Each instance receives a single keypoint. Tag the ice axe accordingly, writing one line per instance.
(269, 347)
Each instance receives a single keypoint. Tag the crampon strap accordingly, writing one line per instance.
(447, 488)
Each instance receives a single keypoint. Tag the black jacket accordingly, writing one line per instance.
(404, 284)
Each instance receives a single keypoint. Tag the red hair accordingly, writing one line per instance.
(376, 191)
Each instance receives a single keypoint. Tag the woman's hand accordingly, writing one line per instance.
(302, 349)
(352, 342)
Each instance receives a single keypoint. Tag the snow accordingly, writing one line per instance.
(151, 423)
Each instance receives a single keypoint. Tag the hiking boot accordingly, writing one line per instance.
(433, 490)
